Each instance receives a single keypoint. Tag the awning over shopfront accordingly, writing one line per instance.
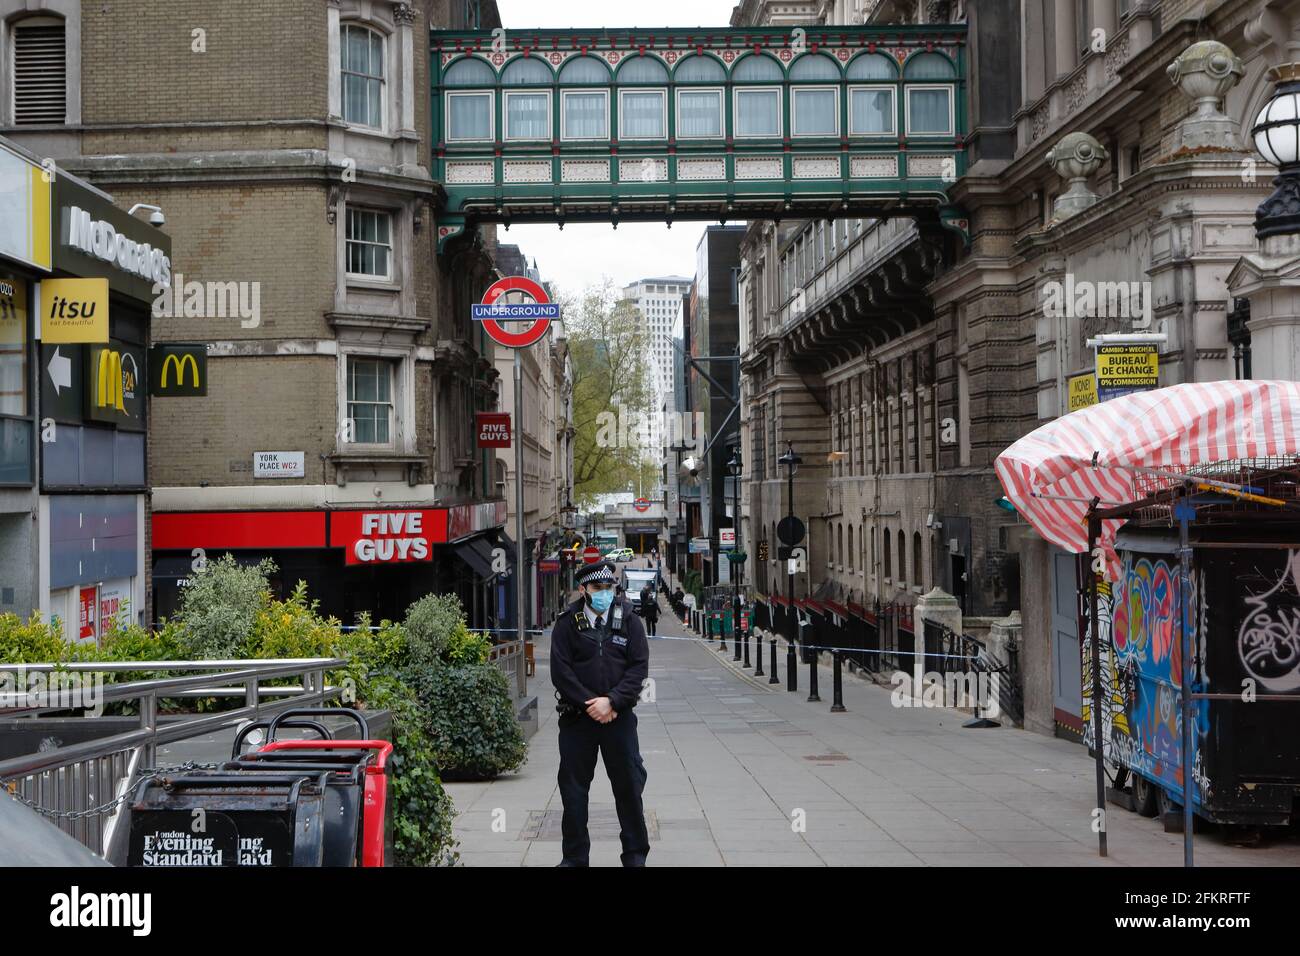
(477, 553)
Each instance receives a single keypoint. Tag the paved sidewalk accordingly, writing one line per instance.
(736, 763)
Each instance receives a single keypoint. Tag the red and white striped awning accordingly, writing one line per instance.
(1053, 473)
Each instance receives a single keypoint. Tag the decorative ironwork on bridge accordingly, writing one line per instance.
(610, 125)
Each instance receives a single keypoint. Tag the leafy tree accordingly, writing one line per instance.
(612, 395)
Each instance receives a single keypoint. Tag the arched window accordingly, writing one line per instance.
(928, 66)
(469, 113)
(885, 550)
(362, 70)
(643, 113)
(917, 579)
(527, 71)
(872, 109)
(902, 557)
(699, 108)
(757, 106)
(527, 112)
(814, 96)
(584, 113)
(470, 71)
(699, 69)
(929, 104)
(872, 66)
(839, 544)
(851, 552)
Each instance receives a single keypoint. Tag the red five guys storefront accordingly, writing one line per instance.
(379, 560)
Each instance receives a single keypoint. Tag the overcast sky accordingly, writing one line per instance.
(583, 253)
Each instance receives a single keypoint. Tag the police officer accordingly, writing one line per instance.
(599, 661)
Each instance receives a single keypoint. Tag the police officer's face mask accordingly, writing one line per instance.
(601, 600)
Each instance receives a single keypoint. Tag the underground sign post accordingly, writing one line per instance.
(517, 301)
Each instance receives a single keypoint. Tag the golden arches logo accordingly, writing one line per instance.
(180, 363)
(108, 386)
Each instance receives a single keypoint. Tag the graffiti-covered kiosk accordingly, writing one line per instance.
(1185, 501)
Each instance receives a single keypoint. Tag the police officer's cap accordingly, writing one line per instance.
(593, 573)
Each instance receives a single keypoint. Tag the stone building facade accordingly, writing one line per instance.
(900, 364)
(289, 149)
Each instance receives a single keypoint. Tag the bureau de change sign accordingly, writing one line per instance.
(1123, 369)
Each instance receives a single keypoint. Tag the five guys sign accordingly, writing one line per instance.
(388, 537)
(493, 429)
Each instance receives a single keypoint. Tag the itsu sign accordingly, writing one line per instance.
(493, 429)
(387, 537)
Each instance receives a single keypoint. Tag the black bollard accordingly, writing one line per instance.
(758, 652)
(812, 677)
(744, 639)
(791, 669)
(838, 706)
(773, 679)
(735, 636)
(722, 634)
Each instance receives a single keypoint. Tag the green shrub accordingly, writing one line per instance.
(131, 642)
(35, 642)
(422, 810)
(219, 607)
(466, 647)
(430, 624)
(471, 718)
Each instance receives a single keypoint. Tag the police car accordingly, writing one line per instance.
(619, 554)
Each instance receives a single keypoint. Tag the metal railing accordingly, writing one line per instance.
(947, 652)
(82, 787)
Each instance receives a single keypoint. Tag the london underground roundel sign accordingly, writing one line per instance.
(541, 311)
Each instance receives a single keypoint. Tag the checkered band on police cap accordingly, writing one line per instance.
(600, 571)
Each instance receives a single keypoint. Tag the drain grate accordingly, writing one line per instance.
(819, 758)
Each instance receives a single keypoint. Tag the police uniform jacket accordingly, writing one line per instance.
(589, 661)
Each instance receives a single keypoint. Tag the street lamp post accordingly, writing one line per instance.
(734, 468)
(791, 461)
(1277, 138)
(679, 448)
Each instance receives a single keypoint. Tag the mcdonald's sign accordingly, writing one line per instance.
(178, 370)
(114, 386)
(109, 387)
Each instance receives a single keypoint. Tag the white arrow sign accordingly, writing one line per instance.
(60, 371)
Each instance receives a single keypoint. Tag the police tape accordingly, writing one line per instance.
(876, 651)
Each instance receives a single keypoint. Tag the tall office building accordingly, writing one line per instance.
(659, 300)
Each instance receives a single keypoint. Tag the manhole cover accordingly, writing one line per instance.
(602, 824)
